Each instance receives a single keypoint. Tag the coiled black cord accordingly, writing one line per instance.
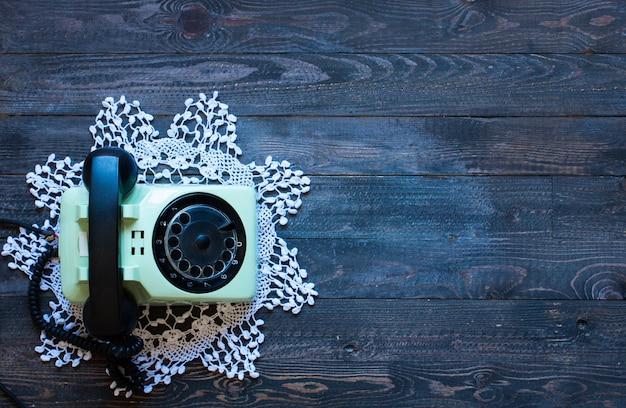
(118, 353)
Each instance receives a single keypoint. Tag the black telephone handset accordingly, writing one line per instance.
(110, 311)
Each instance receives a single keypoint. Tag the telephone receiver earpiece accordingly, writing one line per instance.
(110, 312)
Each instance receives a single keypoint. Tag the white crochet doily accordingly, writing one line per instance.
(200, 147)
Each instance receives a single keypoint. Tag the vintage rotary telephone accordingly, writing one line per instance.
(123, 244)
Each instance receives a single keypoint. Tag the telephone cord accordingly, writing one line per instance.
(118, 354)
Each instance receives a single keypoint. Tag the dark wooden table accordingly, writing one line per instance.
(467, 219)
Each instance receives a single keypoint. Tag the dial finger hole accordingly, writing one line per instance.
(219, 266)
(176, 228)
(183, 265)
(176, 254)
(173, 242)
(184, 218)
(195, 271)
(229, 242)
(208, 271)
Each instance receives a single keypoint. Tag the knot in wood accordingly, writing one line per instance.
(482, 379)
(194, 21)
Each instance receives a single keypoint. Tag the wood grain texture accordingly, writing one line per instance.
(330, 26)
(421, 208)
(599, 212)
(369, 145)
(373, 353)
(17, 202)
(452, 268)
(321, 84)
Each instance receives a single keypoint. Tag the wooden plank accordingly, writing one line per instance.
(552, 26)
(471, 268)
(447, 268)
(463, 207)
(376, 353)
(369, 145)
(392, 330)
(599, 210)
(321, 84)
(421, 208)
(440, 146)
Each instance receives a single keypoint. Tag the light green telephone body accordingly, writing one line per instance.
(178, 243)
